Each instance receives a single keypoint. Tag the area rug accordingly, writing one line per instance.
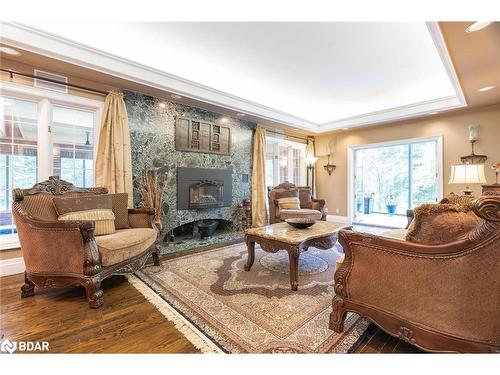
(221, 308)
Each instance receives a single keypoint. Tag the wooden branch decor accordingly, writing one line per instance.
(152, 190)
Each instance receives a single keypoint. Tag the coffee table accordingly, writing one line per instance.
(282, 236)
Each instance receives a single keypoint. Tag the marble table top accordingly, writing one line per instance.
(286, 233)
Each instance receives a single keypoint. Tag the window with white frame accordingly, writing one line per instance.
(43, 133)
(72, 145)
(285, 162)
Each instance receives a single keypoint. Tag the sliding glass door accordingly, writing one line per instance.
(392, 178)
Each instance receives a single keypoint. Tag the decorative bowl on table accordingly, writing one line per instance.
(300, 223)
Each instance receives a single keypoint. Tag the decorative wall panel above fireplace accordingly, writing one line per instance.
(202, 136)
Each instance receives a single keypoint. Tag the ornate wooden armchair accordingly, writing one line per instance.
(438, 297)
(61, 253)
(309, 206)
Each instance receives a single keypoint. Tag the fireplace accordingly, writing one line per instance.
(204, 188)
(206, 193)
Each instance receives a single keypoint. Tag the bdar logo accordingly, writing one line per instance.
(8, 346)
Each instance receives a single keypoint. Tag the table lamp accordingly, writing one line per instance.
(467, 174)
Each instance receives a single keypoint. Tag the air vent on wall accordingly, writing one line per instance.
(51, 85)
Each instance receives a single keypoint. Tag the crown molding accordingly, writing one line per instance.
(414, 109)
(395, 114)
(50, 45)
(439, 43)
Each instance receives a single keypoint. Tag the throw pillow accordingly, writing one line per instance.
(290, 203)
(120, 209)
(82, 202)
(436, 224)
(104, 219)
(287, 194)
(97, 208)
(306, 197)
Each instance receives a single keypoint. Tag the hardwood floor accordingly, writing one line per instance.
(127, 323)
(377, 341)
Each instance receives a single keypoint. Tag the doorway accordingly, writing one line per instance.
(387, 179)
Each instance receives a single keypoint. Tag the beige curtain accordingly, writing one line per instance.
(113, 167)
(259, 211)
(311, 152)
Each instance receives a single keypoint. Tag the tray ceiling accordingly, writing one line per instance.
(314, 76)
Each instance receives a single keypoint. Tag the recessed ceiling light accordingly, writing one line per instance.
(295, 130)
(240, 115)
(162, 105)
(476, 26)
(10, 51)
(486, 88)
(224, 119)
(175, 96)
(344, 129)
(432, 113)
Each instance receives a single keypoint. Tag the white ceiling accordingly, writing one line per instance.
(321, 75)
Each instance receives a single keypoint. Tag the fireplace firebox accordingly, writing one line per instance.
(206, 193)
(204, 188)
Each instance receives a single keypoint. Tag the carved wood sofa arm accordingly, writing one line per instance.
(321, 206)
(143, 218)
(58, 246)
(321, 202)
(142, 210)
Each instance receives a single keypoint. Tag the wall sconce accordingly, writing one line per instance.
(472, 158)
(329, 167)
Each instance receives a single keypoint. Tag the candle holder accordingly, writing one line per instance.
(496, 168)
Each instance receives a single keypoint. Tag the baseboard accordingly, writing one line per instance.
(338, 219)
(11, 266)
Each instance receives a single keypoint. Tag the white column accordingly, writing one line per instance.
(44, 140)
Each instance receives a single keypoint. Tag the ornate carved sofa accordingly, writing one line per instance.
(309, 206)
(61, 253)
(443, 298)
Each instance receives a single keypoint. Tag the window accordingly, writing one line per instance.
(18, 153)
(43, 133)
(72, 145)
(285, 162)
(394, 177)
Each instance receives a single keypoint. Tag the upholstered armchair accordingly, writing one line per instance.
(310, 207)
(442, 297)
(61, 253)
(451, 198)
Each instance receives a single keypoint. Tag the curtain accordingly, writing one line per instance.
(113, 167)
(259, 211)
(311, 152)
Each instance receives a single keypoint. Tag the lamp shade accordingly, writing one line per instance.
(467, 174)
(310, 160)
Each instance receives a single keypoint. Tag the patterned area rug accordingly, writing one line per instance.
(222, 308)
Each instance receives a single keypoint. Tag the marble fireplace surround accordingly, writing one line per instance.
(152, 135)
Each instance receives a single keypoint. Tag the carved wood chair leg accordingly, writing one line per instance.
(338, 315)
(156, 256)
(94, 293)
(28, 289)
